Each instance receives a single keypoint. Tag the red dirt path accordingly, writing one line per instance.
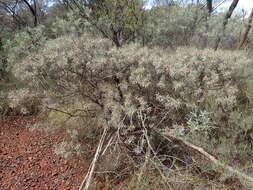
(27, 160)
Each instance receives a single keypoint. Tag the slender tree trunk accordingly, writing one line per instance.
(36, 21)
(224, 24)
(246, 32)
(1, 44)
(209, 6)
(33, 11)
(207, 16)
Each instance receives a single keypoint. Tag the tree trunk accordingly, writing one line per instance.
(209, 6)
(33, 11)
(207, 16)
(1, 44)
(224, 24)
(246, 32)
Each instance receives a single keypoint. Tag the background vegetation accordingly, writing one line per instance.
(167, 91)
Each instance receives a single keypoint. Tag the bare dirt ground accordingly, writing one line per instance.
(28, 161)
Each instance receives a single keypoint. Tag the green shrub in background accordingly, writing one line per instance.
(71, 24)
(25, 42)
(208, 29)
(4, 36)
(5, 75)
(121, 21)
(13, 51)
(167, 26)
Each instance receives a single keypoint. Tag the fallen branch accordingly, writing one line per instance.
(211, 158)
(88, 178)
(61, 111)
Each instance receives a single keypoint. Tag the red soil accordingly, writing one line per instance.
(28, 161)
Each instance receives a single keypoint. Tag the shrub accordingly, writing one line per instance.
(23, 102)
(208, 29)
(137, 93)
(71, 24)
(123, 82)
(24, 43)
(14, 51)
(167, 25)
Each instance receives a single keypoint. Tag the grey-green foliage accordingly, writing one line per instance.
(71, 24)
(200, 121)
(14, 50)
(6, 82)
(173, 25)
(4, 36)
(181, 24)
(209, 28)
(24, 43)
(117, 20)
(124, 83)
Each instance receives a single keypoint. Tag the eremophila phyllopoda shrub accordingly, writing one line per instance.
(122, 86)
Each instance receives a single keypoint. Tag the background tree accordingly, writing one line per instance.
(164, 2)
(117, 20)
(33, 9)
(25, 12)
(224, 24)
(246, 32)
(11, 7)
(209, 6)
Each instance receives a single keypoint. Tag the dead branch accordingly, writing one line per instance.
(210, 157)
(88, 178)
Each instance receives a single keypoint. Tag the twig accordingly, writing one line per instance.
(143, 118)
(64, 112)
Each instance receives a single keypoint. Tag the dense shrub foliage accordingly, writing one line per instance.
(24, 43)
(167, 26)
(186, 91)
